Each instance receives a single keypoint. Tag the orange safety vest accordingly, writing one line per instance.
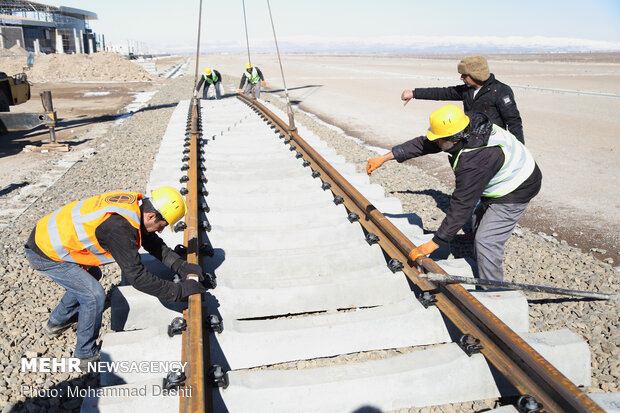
(68, 234)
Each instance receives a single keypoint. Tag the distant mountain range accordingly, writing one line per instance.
(411, 45)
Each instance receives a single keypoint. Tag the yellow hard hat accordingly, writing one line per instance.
(169, 203)
(248, 65)
(446, 121)
(208, 71)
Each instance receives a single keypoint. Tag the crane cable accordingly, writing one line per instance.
(245, 22)
(198, 45)
(289, 109)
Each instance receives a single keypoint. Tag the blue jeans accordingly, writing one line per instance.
(84, 296)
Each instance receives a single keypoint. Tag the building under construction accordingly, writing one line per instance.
(42, 28)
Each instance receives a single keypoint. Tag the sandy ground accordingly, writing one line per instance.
(569, 106)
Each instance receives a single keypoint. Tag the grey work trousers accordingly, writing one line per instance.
(493, 224)
(252, 88)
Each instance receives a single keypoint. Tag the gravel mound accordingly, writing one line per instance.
(103, 66)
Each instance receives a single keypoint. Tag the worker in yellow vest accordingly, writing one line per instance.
(209, 77)
(489, 165)
(254, 78)
(70, 244)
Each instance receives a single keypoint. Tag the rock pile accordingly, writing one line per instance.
(103, 66)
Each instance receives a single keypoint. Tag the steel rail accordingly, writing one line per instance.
(195, 341)
(516, 360)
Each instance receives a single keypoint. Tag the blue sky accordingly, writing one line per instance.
(361, 25)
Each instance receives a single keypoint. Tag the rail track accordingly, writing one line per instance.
(311, 263)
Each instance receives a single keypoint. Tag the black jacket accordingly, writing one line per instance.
(119, 237)
(472, 173)
(244, 77)
(202, 79)
(495, 99)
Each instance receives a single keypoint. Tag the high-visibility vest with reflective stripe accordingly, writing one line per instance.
(68, 234)
(518, 163)
(254, 77)
(211, 80)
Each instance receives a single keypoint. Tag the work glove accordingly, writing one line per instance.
(374, 163)
(238, 90)
(263, 83)
(190, 287)
(423, 250)
(187, 268)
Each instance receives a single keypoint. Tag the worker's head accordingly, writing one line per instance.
(474, 70)
(166, 207)
(208, 71)
(446, 126)
(248, 66)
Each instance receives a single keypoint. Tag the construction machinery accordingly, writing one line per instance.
(15, 90)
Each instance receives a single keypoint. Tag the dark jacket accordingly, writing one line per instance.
(495, 99)
(244, 77)
(202, 79)
(472, 173)
(119, 237)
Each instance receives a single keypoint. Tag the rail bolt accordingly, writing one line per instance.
(470, 344)
(352, 217)
(316, 174)
(177, 326)
(184, 178)
(185, 167)
(218, 377)
(528, 404)
(215, 323)
(185, 159)
(394, 265)
(207, 249)
(299, 155)
(174, 379)
(183, 191)
(371, 238)
(325, 186)
(427, 299)
(181, 250)
(180, 226)
(292, 148)
(287, 140)
(306, 163)
(338, 200)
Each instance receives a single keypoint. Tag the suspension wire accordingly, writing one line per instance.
(289, 109)
(245, 22)
(198, 44)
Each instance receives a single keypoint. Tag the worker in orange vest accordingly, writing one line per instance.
(70, 244)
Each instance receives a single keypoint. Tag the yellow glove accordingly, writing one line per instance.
(423, 250)
(238, 90)
(374, 163)
(263, 83)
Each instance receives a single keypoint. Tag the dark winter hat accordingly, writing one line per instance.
(476, 67)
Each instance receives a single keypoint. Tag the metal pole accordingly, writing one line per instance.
(245, 22)
(289, 109)
(198, 44)
(456, 279)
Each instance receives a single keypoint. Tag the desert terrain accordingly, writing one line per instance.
(568, 103)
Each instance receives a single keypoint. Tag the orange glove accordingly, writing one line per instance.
(263, 83)
(238, 90)
(423, 250)
(374, 163)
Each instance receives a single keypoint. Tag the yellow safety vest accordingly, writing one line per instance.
(254, 77)
(518, 163)
(68, 234)
(211, 79)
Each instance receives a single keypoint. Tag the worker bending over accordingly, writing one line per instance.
(209, 77)
(71, 243)
(489, 164)
(252, 76)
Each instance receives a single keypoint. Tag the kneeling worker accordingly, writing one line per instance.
(71, 243)
(489, 164)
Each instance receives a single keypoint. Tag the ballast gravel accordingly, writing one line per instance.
(123, 160)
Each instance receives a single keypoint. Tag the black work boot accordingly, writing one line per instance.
(54, 330)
